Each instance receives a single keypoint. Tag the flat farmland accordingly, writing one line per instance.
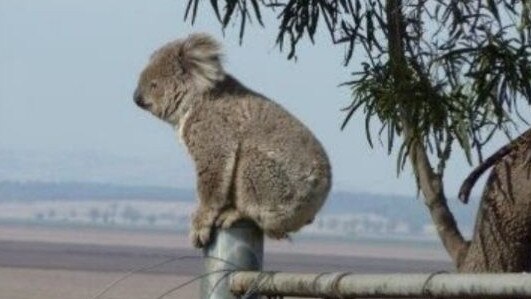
(46, 263)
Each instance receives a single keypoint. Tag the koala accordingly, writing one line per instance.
(254, 160)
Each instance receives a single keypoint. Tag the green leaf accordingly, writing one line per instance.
(229, 10)
(214, 4)
(257, 12)
(494, 9)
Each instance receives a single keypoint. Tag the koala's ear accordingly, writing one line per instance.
(200, 57)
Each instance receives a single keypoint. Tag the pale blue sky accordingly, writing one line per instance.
(69, 67)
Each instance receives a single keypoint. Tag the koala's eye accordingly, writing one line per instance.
(153, 84)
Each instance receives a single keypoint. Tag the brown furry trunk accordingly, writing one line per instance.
(502, 236)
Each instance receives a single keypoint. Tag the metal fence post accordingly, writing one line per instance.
(240, 247)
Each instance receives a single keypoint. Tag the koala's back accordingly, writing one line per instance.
(233, 113)
(281, 170)
(263, 125)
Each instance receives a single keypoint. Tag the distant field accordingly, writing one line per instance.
(344, 216)
(168, 240)
(62, 263)
(171, 216)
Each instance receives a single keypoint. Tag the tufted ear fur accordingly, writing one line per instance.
(200, 58)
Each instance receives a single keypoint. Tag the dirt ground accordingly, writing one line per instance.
(21, 283)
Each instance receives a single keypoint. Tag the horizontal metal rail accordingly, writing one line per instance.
(346, 285)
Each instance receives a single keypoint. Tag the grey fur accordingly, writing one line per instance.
(253, 159)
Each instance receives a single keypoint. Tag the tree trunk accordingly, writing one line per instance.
(430, 183)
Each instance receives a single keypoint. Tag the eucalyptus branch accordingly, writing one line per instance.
(429, 182)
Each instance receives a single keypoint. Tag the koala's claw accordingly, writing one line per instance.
(200, 237)
(202, 226)
(278, 235)
(228, 218)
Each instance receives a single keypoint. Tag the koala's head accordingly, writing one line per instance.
(177, 70)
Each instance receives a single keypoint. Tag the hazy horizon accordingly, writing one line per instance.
(69, 69)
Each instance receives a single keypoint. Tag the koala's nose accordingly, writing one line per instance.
(137, 96)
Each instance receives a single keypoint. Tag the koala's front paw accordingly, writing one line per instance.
(200, 236)
(202, 226)
(228, 218)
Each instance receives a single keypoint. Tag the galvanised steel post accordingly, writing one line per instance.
(241, 248)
